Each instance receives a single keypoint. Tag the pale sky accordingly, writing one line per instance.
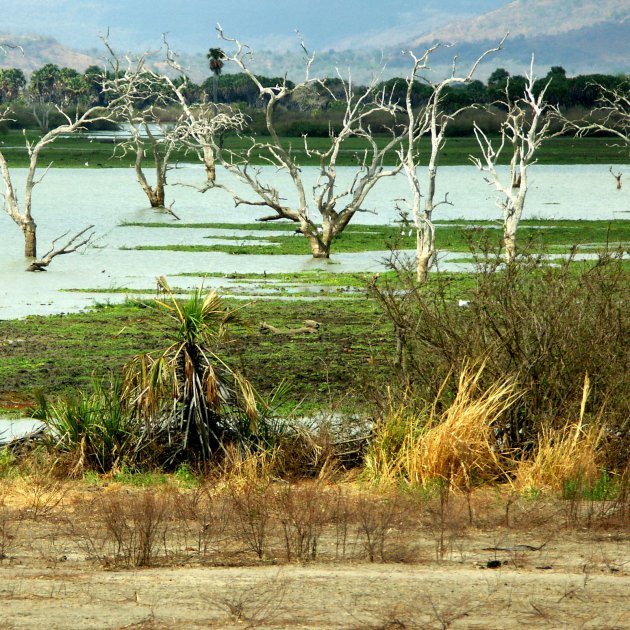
(265, 24)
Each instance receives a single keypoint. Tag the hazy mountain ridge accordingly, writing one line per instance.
(29, 52)
(530, 18)
(579, 35)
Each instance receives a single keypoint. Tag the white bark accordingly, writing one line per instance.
(22, 214)
(525, 129)
(198, 128)
(74, 243)
(431, 120)
(324, 214)
(611, 116)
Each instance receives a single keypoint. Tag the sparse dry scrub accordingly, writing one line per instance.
(303, 510)
(128, 529)
(258, 604)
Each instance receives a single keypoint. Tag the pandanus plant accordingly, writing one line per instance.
(186, 389)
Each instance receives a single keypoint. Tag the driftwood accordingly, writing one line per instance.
(617, 177)
(310, 327)
(72, 245)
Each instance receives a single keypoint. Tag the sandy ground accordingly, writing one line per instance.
(362, 596)
(312, 597)
(580, 578)
(563, 586)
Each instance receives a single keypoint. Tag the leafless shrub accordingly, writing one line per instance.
(128, 529)
(258, 604)
(7, 531)
(377, 519)
(252, 508)
(205, 517)
(303, 510)
(43, 494)
(342, 516)
(545, 326)
(446, 516)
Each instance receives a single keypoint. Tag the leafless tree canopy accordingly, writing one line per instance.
(430, 121)
(612, 116)
(22, 213)
(323, 212)
(527, 125)
(196, 127)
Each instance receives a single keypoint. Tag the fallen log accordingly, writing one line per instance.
(310, 327)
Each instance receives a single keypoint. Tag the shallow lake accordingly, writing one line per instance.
(70, 199)
(18, 428)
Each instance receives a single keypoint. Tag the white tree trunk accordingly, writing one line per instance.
(210, 163)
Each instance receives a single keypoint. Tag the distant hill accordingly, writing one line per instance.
(29, 52)
(531, 18)
(581, 35)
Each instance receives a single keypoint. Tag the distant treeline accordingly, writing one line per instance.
(312, 109)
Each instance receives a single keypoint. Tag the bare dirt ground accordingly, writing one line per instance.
(59, 569)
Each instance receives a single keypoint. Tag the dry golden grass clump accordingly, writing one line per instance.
(567, 454)
(458, 446)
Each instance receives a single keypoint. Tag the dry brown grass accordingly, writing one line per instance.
(568, 454)
(457, 447)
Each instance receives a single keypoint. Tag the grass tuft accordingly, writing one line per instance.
(458, 447)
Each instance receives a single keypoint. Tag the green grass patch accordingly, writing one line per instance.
(75, 151)
(312, 277)
(63, 353)
(455, 236)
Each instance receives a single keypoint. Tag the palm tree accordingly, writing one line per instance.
(186, 390)
(215, 61)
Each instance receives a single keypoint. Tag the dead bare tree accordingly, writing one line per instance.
(197, 128)
(433, 121)
(139, 92)
(22, 214)
(611, 116)
(527, 125)
(202, 126)
(618, 175)
(147, 132)
(332, 205)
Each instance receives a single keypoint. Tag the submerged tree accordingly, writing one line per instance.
(149, 135)
(432, 120)
(138, 92)
(186, 391)
(203, 126)
(527, 125)
(333, 204)
(21, 213)
(141, 92)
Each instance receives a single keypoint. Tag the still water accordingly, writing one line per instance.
(70, 199)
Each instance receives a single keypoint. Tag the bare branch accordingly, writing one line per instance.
(335, 205)
(72, 245)
(526, 126)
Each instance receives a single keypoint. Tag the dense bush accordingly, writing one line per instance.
(547, 326)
